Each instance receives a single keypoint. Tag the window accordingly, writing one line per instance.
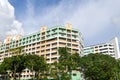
(33, 48)
(43, 37)
(68, 35)
(34, 36)
(111, 48)
(48, 50)
(54, 48)
(42, 50)
(38, 35)
(42, 46)
(62, 30)
(62, 34)
(38, 47)
(43, 33)
(48, 32)
(47, 54)
(105, 45)
(37, 51)
(26, 49)
(48, 36)
(68, 40)
(33, 40)
(110, 45)
(68, 44)
(38, 43)
(54, 44)
(74, 74)
(53, 30)
(48, 45)
(68, 31)
(100, 46)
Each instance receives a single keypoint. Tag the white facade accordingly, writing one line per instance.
(111, 48)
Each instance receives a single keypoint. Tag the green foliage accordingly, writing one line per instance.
(93, 66)
(117, 73)
(65, 76)
(67, 62)
(74, 60)
(14, 64)
(36, 63)
(98, 67)
(64, 57)
(17, 64)
(30, 62)
(5, 65)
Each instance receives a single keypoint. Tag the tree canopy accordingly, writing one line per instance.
(92, 66)
(17, 64)
(98, 67)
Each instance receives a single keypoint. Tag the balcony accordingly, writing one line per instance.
(62, 45)
(53, 51)
(61, 40)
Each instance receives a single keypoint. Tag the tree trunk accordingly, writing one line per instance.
(66, 68)
(14, 73)
(19, 75)
(32, 74)
(39, 75)
(70, 74)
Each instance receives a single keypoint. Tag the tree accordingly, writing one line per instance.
(74, 60)
(64, 57)
(117, 73)
(15, 64)
(67, 62)
(21, 64)
(5, 66)
(40, 67)
(36, 64)
(55, 70)
(30, 62)
(98, 67)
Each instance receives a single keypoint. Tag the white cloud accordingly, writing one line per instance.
(8, 23)
(116, 21)
(94, 18)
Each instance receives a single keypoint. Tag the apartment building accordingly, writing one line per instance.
(44, 43)
(110, 48)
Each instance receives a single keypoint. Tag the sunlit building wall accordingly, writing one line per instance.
(43, 43)
(110, 48)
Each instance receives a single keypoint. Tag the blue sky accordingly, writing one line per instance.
(98, 20)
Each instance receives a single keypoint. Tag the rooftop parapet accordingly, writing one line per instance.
(0, 43)
(9, 38)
